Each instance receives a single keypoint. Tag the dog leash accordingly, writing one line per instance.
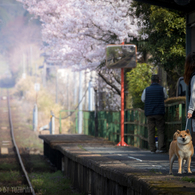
(186, 123)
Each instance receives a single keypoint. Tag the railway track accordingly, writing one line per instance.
(13, 176)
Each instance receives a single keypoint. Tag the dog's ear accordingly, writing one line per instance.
(178, 131)
(188, 131)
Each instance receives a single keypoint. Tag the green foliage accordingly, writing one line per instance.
(8, 176)
(138, 79)
(188, 179)
(8, 166)
(167, 39)
(166, 35)
(165, 43)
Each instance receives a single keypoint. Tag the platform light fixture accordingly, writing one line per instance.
(182, 2)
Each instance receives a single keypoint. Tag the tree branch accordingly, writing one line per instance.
(115, 77)
(109, 83)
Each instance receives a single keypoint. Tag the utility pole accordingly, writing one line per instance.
(80, 117)
(85, 89)
(36, 72)
(52, 123)
(90, 94)
(31, 67)
(35, 109)
(96, 113)
(75, 89)
(56, 85)
(35, 117)
(67, 92)
(24, 67)
(44, 74)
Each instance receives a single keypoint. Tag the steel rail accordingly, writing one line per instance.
(15, 145)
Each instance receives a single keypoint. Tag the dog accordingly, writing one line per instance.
(182, 147)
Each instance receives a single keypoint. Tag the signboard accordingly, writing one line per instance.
(121, 56)
(37, 86)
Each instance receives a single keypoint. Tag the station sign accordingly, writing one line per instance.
(121, 56)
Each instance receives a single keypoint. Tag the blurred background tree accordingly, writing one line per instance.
(138, 79)
(163, 34)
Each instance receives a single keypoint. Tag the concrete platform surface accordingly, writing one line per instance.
(127, 166)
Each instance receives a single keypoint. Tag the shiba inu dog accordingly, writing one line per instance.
(182, 148)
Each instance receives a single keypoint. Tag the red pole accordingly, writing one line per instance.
(122, 142)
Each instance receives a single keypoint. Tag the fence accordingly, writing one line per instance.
(175, 118)
(109, 126)
(136, 133)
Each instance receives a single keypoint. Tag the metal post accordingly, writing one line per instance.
(44, 74)
(93, 94)
(56, 86)
(96, 113)
(67, 92)
(36, 71)
(86, 87)
(75, 89)
(80, 120)
(24, 67)
(90, 96)
(31, 66)
(52, 124)
(60, 121)
(122, 142)
(35, 118)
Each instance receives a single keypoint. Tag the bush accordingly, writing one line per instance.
(138, 79)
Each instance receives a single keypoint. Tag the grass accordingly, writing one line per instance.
(8, 166)
(188, 179)
(51, 183)
(155, 171)
(37, 163)
(10, 176)
(27, 138)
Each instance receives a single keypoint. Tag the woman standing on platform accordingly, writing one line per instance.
(189, 78)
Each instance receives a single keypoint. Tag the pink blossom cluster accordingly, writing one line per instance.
(77, 31)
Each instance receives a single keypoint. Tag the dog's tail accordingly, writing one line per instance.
(175, 135)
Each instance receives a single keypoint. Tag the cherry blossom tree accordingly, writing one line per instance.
(77, 31)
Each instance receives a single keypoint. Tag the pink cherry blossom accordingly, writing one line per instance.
(77, 31)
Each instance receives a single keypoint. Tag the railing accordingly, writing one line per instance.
(175, 119)
(108, 124)
(136, 133)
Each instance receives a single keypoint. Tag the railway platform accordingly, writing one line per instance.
(99, 167)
